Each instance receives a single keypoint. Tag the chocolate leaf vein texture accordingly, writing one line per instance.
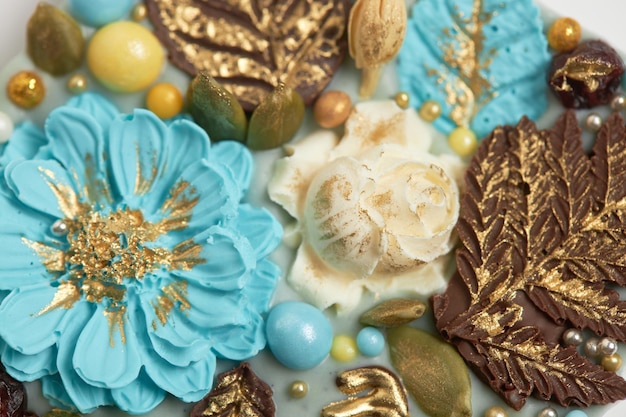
(543, 233)
(249, 47)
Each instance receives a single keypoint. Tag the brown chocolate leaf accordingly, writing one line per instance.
(543, 230)
(239, 393)
(249, 46)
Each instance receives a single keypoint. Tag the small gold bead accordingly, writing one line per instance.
(496, 411)
(26, 89)
(298, 389)
(564, 34)
(618, 103)
(139, 12)
(332, 109)
(402, 99)
(77, 84)
(430, 110)
(611, 363)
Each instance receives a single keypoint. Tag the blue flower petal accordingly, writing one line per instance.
(184, 145)
(190, 383)
(95, 352)
(101, 109)
(29, 367)
(83, 396)
(136, 154)
(21, 266)
(216, 192)
(53, 390)
(76, 142)
(240, 342)
(263, 231)
(24, 143)
(138, 397)
(23, 328)
(43, 185)
(228, 259)
(260, 289)
(237, 158)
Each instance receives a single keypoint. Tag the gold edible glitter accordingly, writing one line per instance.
(26, 89)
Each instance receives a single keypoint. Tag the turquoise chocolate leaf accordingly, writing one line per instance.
(484, 61)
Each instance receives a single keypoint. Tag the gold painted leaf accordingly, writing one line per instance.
(543, 231)
(250, 46)
(238, 393)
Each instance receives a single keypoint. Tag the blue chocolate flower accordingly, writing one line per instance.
(129, 263)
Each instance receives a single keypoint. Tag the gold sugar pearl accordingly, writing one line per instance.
(26, 89)
(332, 108)
(139, 12)
(430, 111)
(618, 103)
(77, 84)
(462, 141)
(564, 34)
(495, 411)
(298, 389)
(611, 363)
(402, 99)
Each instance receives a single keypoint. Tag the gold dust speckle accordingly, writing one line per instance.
(26, 89)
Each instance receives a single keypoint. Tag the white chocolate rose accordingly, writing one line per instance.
(376, 211)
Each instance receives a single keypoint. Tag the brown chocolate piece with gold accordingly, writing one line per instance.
(542, 227)
(587, 76)
(239, 392)
(250, 46)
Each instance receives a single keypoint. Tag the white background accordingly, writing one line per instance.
(606, 18)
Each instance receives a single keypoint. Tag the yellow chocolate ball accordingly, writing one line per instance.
(402, 99)
(332, 109)
(164, 100)
(344, 348)
(462, 141)
(612, 362)
(77, 84)
(430, 111)
(125, 56)
(26, 89)
(564, 34)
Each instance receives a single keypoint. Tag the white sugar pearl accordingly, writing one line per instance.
(6, 127)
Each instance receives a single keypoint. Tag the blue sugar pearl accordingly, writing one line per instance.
(576, 413)
(298, 334)
(370, 341)
(96, 13)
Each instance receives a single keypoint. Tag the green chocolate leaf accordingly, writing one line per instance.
(277, 119)
(54, 40)
(215, 109)
(432, 371)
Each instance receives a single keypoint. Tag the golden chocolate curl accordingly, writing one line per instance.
(380, 394)
(375, 34)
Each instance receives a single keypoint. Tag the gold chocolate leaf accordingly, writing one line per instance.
(432, 371)
(384, 395)
(393, 313)
(54, 40)
(276, 120)
(57, 412)
(250, 46)
(238, 393)
(543, 232)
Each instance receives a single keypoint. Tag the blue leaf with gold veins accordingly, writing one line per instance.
(484, 61)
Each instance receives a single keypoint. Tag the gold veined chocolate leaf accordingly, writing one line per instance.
(543, 231)
(239, 393)
(383, 395)
(249, 46)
